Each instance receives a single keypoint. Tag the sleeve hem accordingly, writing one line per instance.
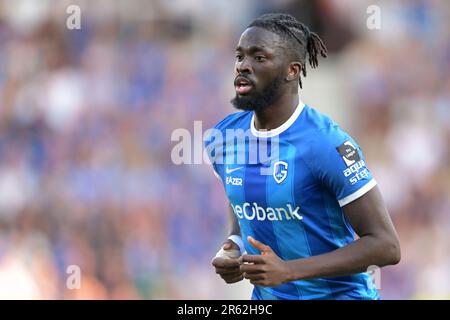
(357, 194)
(216, 174)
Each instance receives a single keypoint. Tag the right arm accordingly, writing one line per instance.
(233, 225)
(228, 269)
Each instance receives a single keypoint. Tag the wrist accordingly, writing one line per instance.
(238, 241)
(292, 273)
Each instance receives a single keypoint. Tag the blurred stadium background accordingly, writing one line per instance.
(86, 117)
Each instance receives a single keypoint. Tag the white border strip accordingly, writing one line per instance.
(216, 174)
(280, 129)
(360, 192)
(238, 240)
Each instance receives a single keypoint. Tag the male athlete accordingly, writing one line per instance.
(293, 216)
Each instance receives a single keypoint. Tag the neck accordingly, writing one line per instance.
(276, 114)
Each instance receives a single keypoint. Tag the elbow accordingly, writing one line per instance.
(391, 249)
(395, 253)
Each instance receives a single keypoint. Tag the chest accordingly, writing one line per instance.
(276, 177)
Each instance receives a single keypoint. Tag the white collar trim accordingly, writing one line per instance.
(280, 129)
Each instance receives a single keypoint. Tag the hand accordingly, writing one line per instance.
(228, 269)
(266, 269)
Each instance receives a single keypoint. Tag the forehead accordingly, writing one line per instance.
(260, 37)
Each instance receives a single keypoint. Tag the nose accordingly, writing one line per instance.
(243, 66)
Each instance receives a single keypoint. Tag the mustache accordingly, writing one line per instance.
(241, 76)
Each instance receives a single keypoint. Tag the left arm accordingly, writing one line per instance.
(378, 245)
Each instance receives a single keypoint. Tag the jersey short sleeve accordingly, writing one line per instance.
(213, 145)
(338, 162)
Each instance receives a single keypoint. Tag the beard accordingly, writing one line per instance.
(257, 101)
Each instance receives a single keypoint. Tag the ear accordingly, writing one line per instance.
(294, 70)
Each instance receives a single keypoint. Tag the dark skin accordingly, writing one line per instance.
(378, 243)
(261, 56)
(229, 269)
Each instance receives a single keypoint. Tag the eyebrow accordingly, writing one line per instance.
(252, 49)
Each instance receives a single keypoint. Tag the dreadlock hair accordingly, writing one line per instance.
(302, 41)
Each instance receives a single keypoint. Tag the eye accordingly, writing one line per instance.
(260, 58)
(238, 56)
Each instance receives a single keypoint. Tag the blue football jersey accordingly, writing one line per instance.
(287, 187)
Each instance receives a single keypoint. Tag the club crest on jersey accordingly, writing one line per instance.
(280, 171)
(348, 153)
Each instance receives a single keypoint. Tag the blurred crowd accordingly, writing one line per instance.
(86, 117)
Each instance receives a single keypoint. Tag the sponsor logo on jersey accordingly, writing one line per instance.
(234, 181)
(356, 172)
(280, 171)
(255, 212)
(348, 153)
(229, 170)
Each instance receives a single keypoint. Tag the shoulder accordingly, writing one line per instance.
(320, 131)
(328, 143)
(315, 120)
(323, 130)
(235, 120)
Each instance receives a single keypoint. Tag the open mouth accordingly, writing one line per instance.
(242, 85)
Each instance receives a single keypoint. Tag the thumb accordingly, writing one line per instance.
(226, 246)
(230, 245)
(259, 245)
